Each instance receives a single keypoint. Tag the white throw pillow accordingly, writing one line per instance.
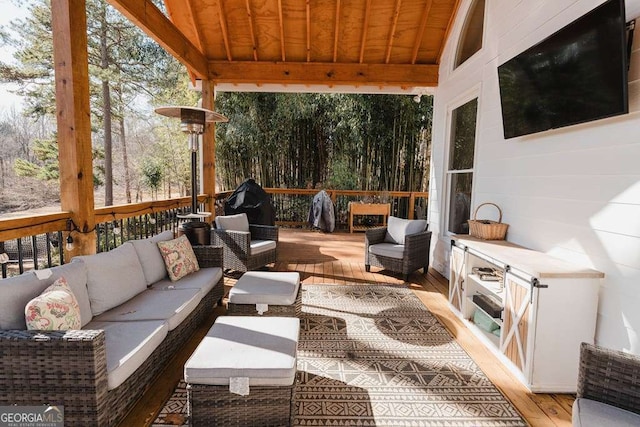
(398, 228)
(238, 222)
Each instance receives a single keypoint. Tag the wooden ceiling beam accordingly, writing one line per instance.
(337, 32)
(224, 31)
(392, 33)
(281, 23)
(146, 16)
(192, 18)
(365, 27)
(309, 73)
(420, 33)
(252, 33)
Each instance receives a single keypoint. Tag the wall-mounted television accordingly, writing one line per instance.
(576, 75)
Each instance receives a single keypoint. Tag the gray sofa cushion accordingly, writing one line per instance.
(150, 258)
(204, 280)
(171, 305)
(16, 292)
(262, 349)
(113, 277)
(128, 346)
(590, 413)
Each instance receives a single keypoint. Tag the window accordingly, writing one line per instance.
(460, 168)
(471, 36)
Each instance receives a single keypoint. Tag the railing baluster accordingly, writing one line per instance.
(34, 245)
(20, 259)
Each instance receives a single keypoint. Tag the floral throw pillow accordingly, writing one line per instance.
(179, 257)
(55, 309)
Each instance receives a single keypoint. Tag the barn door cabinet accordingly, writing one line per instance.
(539, 308)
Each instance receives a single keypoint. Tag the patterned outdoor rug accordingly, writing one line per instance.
(373, 355)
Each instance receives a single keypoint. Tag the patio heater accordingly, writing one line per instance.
(192, 122)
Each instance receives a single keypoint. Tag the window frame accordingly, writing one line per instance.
(449, 173)
(463, 32)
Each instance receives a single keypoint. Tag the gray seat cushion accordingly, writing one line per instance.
(128, 345)
(262, 349)
(265, 287)
(590, 413)
(151, 260)
(16, 292)
(171, 305)
(390, 250)
(261, 246)
(204, 279)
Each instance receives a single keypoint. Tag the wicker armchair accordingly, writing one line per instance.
(242, 249)
(610, 377)
(414, 256)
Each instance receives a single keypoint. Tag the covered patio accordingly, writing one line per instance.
(400, 47)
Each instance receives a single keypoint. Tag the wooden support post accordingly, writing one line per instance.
(412, 204)
(69, 23)
(209, 151)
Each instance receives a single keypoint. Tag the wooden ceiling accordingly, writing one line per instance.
(383, 43)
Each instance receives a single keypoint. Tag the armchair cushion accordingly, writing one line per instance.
(261, 246)
(390, 250)
(591, 413)
(398, 228)
(238, 222)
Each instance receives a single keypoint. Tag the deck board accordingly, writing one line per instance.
(338, 258)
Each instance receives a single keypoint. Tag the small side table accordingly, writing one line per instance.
(383, 209)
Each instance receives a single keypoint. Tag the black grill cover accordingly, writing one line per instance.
(251, 199)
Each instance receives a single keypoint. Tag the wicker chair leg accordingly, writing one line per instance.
(367, 267)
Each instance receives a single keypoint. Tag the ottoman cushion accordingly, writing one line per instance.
(262, 287)
(261, 349)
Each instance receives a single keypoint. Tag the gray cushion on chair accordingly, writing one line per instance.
(398, 228)
(390, 250)
(152, 263)
(262, 349)
(261, 246)
(590, 413)
(238, 222)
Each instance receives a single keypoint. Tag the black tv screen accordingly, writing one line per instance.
(574, 76)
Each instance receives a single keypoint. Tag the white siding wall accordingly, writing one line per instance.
(573, 192)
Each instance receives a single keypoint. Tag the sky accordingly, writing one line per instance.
(9, 12)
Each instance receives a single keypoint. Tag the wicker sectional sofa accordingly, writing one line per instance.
(133, 318)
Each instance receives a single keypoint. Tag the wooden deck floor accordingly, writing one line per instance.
(338, 258)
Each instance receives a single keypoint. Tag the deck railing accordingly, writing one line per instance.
(37, 241)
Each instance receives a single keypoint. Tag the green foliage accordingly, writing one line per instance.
(152, 173)
(374, 142)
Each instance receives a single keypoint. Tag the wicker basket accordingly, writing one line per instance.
(487, 229)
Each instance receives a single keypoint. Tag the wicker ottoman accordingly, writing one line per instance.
(241, 350)
(266, 293)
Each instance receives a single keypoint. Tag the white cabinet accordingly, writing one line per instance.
(533, 315)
